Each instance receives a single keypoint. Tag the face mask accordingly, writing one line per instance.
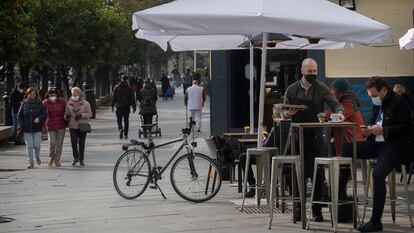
(30, 97)
(20, 90)
(310, 78)
(75, 98)
(53, 98)
(376, 101)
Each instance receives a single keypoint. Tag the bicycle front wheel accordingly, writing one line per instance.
(131, 174)
(195, 178)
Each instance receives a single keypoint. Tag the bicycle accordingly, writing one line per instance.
(194, 176)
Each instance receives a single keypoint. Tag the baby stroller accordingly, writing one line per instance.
(149, 129)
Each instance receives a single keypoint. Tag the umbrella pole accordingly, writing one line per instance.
(251, 70)
(262, 87)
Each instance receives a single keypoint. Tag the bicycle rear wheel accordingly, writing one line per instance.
(195, 178)
(131, 174)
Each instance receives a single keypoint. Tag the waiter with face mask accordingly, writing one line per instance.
(313, 94)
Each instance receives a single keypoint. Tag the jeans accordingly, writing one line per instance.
(123, 113)
(77, 140)
(56, 144)
(196, 116)
(33, 141)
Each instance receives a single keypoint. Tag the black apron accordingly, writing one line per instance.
(312, 136)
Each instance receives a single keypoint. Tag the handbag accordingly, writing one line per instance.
(85, 127)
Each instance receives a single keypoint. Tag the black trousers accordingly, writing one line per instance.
(388, 156)
(123, 113)
(77, 140)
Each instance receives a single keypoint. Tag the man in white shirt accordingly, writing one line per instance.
(194, 100)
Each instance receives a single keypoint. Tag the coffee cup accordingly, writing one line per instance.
(335, 117)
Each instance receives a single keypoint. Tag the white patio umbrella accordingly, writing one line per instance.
(304, 18)
(407, 41)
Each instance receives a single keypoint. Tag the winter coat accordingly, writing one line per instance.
(123, 96)
(28, 112)
(148, 100)
(16, 99)
(55, 114)
(74, 107)
(352, 114)
(194, 97)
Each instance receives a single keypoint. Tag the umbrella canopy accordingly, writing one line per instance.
(407, 41)
(225, 42)
(312, 18)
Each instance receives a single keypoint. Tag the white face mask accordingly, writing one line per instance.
(75, 98)
(53, 98)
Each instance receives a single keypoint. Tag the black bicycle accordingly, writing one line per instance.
(194, 176)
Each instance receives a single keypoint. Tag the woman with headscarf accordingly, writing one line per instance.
(31, 117)
(78, 111)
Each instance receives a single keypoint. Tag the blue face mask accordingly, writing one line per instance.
(376, 101)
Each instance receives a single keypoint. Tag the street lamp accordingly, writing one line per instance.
(349, 4)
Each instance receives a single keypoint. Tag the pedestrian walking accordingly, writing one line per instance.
(55, 125)
(16, 100)
(31, 117)
(123, 98)
(148, 102)
(78, 111)
(194, 100)
(165, 84)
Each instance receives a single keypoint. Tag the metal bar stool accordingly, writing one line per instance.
(391, 188)
(281, 160)
(333, 164)
(262, 166)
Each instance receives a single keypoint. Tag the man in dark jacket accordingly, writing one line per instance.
(123, 97)
(388, 141)
(148, 99)
(16, 99)
(165, 84)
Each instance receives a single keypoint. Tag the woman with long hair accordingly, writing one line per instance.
(31, 117)
(55, 125)
(78, 111)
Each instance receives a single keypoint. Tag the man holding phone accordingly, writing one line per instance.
(313, 94)
(388, 139)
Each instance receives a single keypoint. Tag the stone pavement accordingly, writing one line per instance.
(75, 199)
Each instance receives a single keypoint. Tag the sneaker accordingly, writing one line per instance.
(30, 166)
(82, 163)
(50, 162)
(57, 163)
(121, 133)
(38, 161)
(74, 162)
(125, 136)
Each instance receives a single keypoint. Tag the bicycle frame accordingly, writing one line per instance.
(176, 152)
